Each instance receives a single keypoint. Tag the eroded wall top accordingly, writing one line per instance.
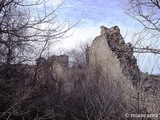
(111, 40)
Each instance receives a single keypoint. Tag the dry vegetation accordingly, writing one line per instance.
(24, 96)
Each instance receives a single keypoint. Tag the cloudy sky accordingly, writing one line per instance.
(91, 14)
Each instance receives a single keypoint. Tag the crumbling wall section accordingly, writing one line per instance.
(115, 57)
(59, 66)
(55, 67)
(103, 54)
(110, 49)
(123, 52)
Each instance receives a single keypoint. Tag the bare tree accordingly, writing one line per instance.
(147, 13)
(78, 55)
(23, 25)
(146, 45)
(26, 28)
(146, 42)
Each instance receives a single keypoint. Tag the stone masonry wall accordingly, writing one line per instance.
(115, 57)
(103, 53)
(123, 52)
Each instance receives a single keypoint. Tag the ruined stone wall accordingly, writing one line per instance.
(113, 60)
(59, 66)
(103, 54)
(110, 53)
(63, 60)
(123, 52)
(149, 91)
(53, 70)
(55, 67)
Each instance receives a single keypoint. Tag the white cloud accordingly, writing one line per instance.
(80, 34)
(87, 33)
